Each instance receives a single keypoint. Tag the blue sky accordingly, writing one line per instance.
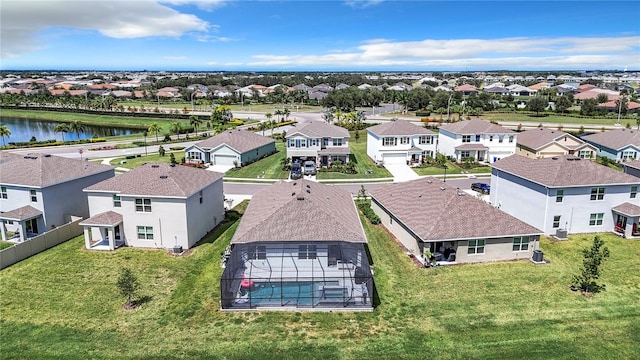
(327, 35)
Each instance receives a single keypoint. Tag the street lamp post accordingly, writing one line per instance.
(445, 172)
(192, 94)
(449, 106)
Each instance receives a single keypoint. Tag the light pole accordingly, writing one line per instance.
(620, 100)
(449, 106)
(192, 94)
(445, 172)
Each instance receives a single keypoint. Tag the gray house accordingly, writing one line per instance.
(231, 147)
(39, 191)
(632, 168)
(428, 214)
(617, 144)
(299, 245)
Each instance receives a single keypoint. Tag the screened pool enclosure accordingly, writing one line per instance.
(314, 275)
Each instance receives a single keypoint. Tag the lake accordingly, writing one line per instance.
(23, 129)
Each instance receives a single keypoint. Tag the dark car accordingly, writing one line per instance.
(481, 188)
(309, 168)
(296, 171)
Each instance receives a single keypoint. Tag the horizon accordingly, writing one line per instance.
(318, 36)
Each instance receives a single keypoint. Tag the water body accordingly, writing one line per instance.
(23, 129)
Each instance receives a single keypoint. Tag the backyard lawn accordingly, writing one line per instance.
(63, 303)
(152, 157)
(270, 166)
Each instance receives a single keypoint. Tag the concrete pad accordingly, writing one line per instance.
(220, 168)
(231, 200)
(401, 172)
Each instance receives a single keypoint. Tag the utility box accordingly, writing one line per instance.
(538, 256)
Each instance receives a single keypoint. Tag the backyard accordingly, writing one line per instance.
(72, 309)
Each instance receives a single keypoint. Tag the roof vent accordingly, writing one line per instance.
(420, 195)
(300, 197)
(47, 155)
(461, 193)
(429, 181)
(293, 193)
(163, 176)
(308, 191)
(155, 166)
(308, 186)
(442, 188)
(554, 158)
(295, 183)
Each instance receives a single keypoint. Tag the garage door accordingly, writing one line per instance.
(224, 160)
(395, 159)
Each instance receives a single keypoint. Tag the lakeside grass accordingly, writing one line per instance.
(493, 310)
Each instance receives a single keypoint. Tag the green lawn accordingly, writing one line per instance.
(269, 166)
(63, 303)
(151, 157)
(362, 161)
(6, 244)
(452, 169)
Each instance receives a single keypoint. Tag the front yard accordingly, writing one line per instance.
(63, 303)
(267, 168)
(452, 169)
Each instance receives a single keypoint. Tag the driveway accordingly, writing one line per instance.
(401, 172)
(220, 168)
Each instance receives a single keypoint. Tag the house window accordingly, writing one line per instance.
(466, 138)
(464, 154)
(597, 193)
(634, 192)
(476, 247)
(297, 143)
(556, 221)
(510, 138)
(559, 196)
(34, 197)
(628, 155)
(325, 141)
(145, 233)
(585, 154)
(303, 142)
(477, 138)
(291, 143)
(307, 252)
(314, 142)
(194, 155)
(116, 201)
(490, 137)
(337, 142)
(404, 140)
(521, 243)
(3, 192)
(143, 205)
(257, 252)
(388, 141)
(500, 138)
(425, 140)
(596, 219)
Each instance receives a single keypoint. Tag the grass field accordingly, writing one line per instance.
(152, 157)
(63, 303)
(206, 106)
(269, 166)
(452, 169)
(362, 161)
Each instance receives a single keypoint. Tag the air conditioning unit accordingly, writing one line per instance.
(176, 250)
(561, 233)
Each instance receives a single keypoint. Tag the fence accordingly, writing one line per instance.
(40, 243)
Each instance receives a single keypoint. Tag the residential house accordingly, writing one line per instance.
(319, 141)
(613, 106)
(617, 144)
(39, 192)
(298, 245)
(231, 148)
(543, 142)
(466, 89)
(477, 139)
(157, 205)
(400, 142)
(632, 168)
(428, 214)
(566, 194)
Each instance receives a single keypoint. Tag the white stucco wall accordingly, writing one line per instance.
(376, 149)
(203, 217)
(497, 150)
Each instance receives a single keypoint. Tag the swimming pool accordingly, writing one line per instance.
(294, 293)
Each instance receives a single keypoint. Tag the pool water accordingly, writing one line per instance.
(289, 293)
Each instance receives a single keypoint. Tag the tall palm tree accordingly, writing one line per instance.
(4, 131)
(175, 128)
(286, 113)
(61, 128)
(155, 128)
(195, 122)
(279, 114)
(268, 116)
(76, 127)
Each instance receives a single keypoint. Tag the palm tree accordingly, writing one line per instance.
(327, 115)
(279, 114)
(155, 128)
(268, 116)
(76, 127)
(4, 131)
(175, 128)
(286, 113)
(217, 128)
(195, 122)
(61, 128)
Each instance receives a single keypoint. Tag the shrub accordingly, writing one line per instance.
(176, 148)
(368, 212)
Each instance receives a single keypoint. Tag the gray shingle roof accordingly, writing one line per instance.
(277, 213)
(475, 126)
(563, 171)
(22, 213)
(240, 140)
(435, 210)
(318, 129)
(41, 170)
(475, 146)
(539, 137)
(158, 179)
(399, 127)
(632, 164)
(107, 218)
(628, 209)
(615, 139)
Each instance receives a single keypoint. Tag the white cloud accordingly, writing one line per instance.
(23, 20)
(532, 53)
(213, 38)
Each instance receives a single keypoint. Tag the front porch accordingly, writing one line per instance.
(106, 227)
(626, 217)
(330, 155)
(477, 152)
(25, 222)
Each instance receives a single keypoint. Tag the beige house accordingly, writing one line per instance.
(543, 143)
(428, 214)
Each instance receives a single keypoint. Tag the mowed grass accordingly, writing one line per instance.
(63, 303)
(362, 161)
(270, 167)
(452, 169)
(151, 157)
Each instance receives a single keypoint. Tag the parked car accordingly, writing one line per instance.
(309, 168)
(481, 188)
(296, 171)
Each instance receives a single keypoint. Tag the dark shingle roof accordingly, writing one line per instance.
(628, 209)
(399, 127)
(561, 171)
(632, 164)
(318, 129)
(475, 126)
(107, 218)
(539, 137)
(158, 179)
(239, 140)
(435, 210)
(300, 211)
(615, 139)
(22, 213)
(41, 170)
